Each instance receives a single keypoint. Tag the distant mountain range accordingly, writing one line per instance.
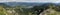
(22, 3)
(27, 4)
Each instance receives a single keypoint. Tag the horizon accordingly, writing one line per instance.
(31, 1)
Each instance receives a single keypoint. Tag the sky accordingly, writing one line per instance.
(53, 1)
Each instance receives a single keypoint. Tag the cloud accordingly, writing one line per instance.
(54, 1)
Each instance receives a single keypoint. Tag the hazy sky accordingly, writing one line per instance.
(54, 1)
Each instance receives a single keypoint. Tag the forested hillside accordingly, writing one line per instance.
(31, 9)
